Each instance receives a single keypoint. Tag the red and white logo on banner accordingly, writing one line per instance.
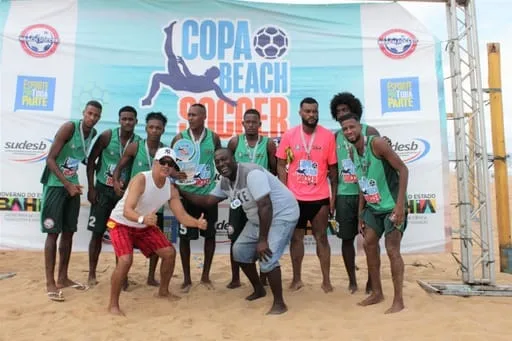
(39, 40)
(397, 43)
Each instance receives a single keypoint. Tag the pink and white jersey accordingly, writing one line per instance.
(307, 174)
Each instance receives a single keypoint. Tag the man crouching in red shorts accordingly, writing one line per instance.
(133, 223)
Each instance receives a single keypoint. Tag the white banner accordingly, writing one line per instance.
(56, 55)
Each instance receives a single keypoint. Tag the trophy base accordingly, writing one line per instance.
(185, 182)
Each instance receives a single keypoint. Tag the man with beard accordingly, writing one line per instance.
(250, 147)
(105, 154)
(347, 199)
(309, 150)
(272, 214)
(203, 142)
(382, 178)
(61, 196)
(139, 155)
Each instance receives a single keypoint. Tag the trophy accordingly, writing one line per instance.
(187, 158)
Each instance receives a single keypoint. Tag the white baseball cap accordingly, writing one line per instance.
(165, 152)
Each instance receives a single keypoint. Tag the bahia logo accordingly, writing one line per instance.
(28, 151)
(397, 43)
(412, 151)
(39, 40)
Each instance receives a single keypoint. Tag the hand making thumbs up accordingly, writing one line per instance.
(202, 224)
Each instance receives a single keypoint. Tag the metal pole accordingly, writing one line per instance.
(481, 164)
(500, 161)
(464, 207)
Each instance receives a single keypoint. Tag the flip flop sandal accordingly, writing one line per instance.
(56, 296)
(80, 287)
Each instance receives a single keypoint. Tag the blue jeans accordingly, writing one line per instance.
(279, 236)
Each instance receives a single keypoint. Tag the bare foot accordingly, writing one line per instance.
(52, 288)
(372, 299)
(256, 294)
(208, 284)
(352, 287)
(294, 286)
(168, 295)
(92, 281)
(234, 285)
(327, 287)
(153, 282)
(368, 289)
(65, 283)
(116, 311)
(185, 287)
(395, 307)
(277, 308)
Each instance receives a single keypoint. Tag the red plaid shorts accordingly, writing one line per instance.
(147, 239)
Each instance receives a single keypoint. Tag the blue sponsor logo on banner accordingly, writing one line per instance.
(35, 93)
(400, 94)
(413, 150)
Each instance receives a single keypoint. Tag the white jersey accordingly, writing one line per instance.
(150, 201)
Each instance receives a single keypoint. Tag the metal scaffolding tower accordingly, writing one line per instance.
(475, 233)
(476, 258)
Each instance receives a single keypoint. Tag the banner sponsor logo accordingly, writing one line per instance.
(400, 94)
(420, 207)
(39, 40)
(25, 151)
(244, 69)
(413, 150)
(34, 93)
(397, 43)
(20, 204)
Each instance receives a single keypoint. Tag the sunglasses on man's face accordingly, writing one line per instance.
(168, 163)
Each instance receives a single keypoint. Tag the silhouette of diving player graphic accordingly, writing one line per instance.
(184, 80)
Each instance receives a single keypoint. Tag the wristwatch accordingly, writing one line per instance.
(140, 220)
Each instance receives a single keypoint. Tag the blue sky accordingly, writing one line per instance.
(494, 25)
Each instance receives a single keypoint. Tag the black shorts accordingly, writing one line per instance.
(106, 200)
(347, 215)
(237, 219)
(59, 211)
(211, 215)
(308, 211)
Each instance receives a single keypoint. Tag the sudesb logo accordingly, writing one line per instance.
(28, 151)
(412, 151)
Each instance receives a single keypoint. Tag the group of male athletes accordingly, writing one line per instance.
(353, 175)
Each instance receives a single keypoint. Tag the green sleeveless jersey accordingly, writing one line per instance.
(377, 179)
(110, 157)
(142, 161)
(205, 171)
(347, 178)
(257, 155)
(71, 155)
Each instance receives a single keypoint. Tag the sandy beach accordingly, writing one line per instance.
(223, 314)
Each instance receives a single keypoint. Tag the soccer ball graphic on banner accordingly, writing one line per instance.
(270, 42)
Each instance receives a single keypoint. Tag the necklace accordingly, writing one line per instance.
(121, 149)
(85, 143)
(235, 202)
(308, 147)
(251, 151)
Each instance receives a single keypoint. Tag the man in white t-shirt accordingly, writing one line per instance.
(272, 213)
(133, 223)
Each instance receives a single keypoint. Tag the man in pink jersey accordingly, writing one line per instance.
(309, 151)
